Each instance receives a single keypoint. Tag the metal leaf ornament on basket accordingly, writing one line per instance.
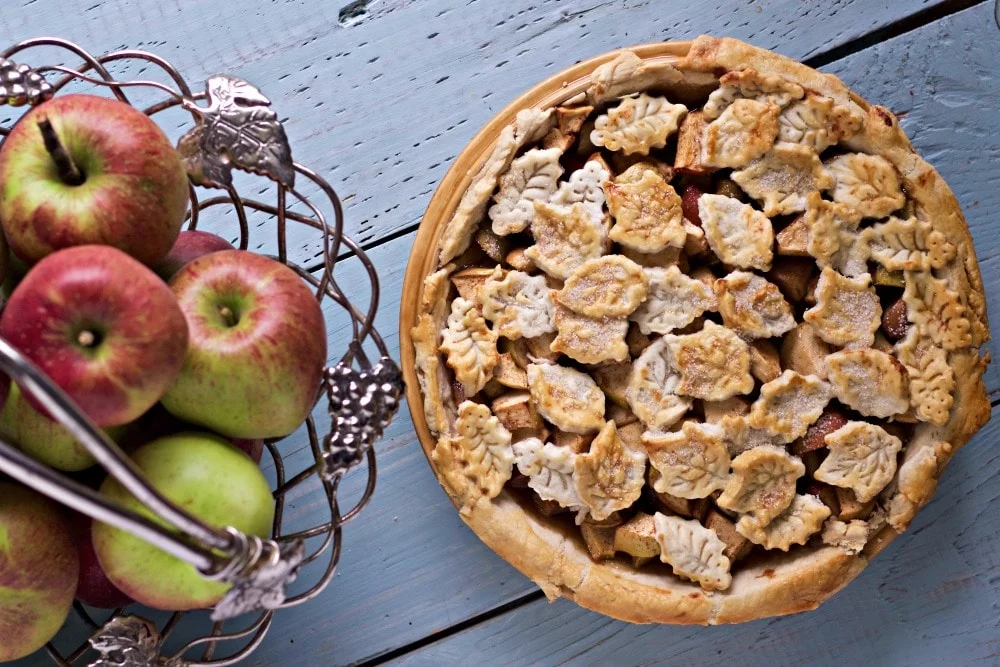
(237, 129)
(127, 641)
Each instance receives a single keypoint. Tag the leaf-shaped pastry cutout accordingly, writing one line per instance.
(744, 131)
(629, 73)
(714, 363)
(565, 238)
(751, 84)
(519, 305)
(589, 340)
(736, 233)
(693, 551)
(692, 462)
(851, 536)
(674, 301)
(803, 519)
(611, 475)
(847, 310)
(549, 469)
(531, 177)
(638, 124)
(652, 389)
(788, 404)
(529, 126)
(753, 307)
(741, 436)
(470, 345)
(584, 186)
(862, 458)
(834, 239)
(609, 286)
(868, 184)
(782, 178)
(569, 399)
(869, 381)
(817, 122)
(478, 461)
(762, 483)
(937, 310)
(909, 245)
(648, 214)
(932, 381)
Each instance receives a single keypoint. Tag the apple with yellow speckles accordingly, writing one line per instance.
(102, 326)
(38, 571)
(83, 169)
(257, 346)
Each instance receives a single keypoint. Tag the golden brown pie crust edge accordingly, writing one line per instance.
(786, 583)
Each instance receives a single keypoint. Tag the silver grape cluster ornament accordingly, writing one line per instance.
(20, 85)
(235, 127)
(362, 403)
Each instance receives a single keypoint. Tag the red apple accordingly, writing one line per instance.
(190, 245)
(38, 571)
(105, 328)
(81, 169)
(252, 448)
(257, 350)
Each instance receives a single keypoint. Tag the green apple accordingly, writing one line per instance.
(209, 478)
(45, 439)
(38, 571)
(257, 346)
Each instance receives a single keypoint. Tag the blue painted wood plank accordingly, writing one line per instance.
(381, 103)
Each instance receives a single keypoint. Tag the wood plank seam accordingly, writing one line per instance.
(890, 31)
(467, 624)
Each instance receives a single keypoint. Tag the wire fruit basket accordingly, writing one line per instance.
(234, 128)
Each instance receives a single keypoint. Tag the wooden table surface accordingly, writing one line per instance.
(380, 97)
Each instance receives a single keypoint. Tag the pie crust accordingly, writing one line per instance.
(865, 199)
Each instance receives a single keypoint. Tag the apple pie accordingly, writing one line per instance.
(698, 339)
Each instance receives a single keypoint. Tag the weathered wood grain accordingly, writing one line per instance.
(382, 95)
(929, 599)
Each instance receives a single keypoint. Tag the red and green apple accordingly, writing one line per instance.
(103, 327)
(82, 169)
(38, 571)
(190, 245)
(257, 346)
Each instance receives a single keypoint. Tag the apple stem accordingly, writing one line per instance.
(228, 316)
(68, 171)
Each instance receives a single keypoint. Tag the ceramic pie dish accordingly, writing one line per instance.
(690, 332)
